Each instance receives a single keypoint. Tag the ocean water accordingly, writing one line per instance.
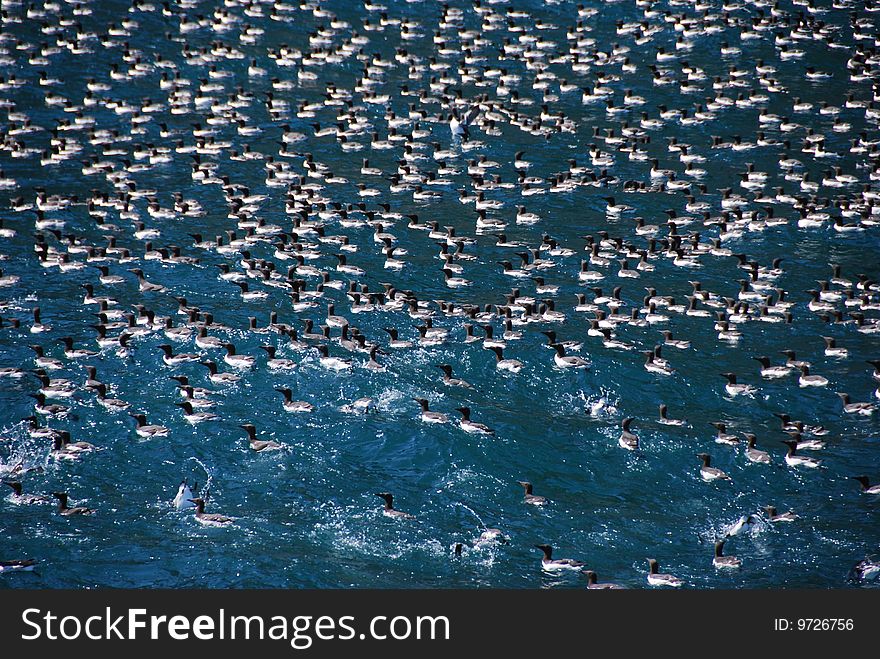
(307, 516)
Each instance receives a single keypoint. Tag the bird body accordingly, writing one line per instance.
(389, 510)
(658, 579)
(209, 519)
(551, 564)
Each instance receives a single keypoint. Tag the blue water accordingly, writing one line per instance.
(307, 516)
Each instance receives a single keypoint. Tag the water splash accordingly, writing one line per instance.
(25, 453)
(472, 512)
(206, 489)
(601, 406)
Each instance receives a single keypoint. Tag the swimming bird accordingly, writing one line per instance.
(259, 445)
(215, 376)
(247, 294)
(865, 570)
(61, 451)
(805, 444)
(66, 510)
(237, 361)
(807, 380)
(865, 409)
(209, 519)
(722, 436)
(202, 339)
(789, 425)
(793, 361)
(768, 371)
(708, 472)
(394, 341)
(277, 363)
(54, 387)
(145, 286)
(568, 361)
(657, 578)
(41, 361)
(427, 416)
(502, 364)
(613, 208)
(873, 362)
(652, 365)
(866, 486)
(77, 447)
(294, 406)
(455, 282)
(674, 343)
(38, 326)
(773, 516)
(194, 417)
(175, 360)
(372, 363)
(75, 353)
(551, 564)
(19, 497)
(359, 406)
(489, 341)
(146, 430)
(792, 459)
(472, 427)
(333, 320)
(533, 499)
(833, 350)
(389, 510)
(574, 346)
(331, 363)
(510, 271)
(734, 389)
(18, 565)
(754, 454)
(666, 421)
(48, 409)
(451, 381)
(593, 582)
(722, 562)
(628, 439)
